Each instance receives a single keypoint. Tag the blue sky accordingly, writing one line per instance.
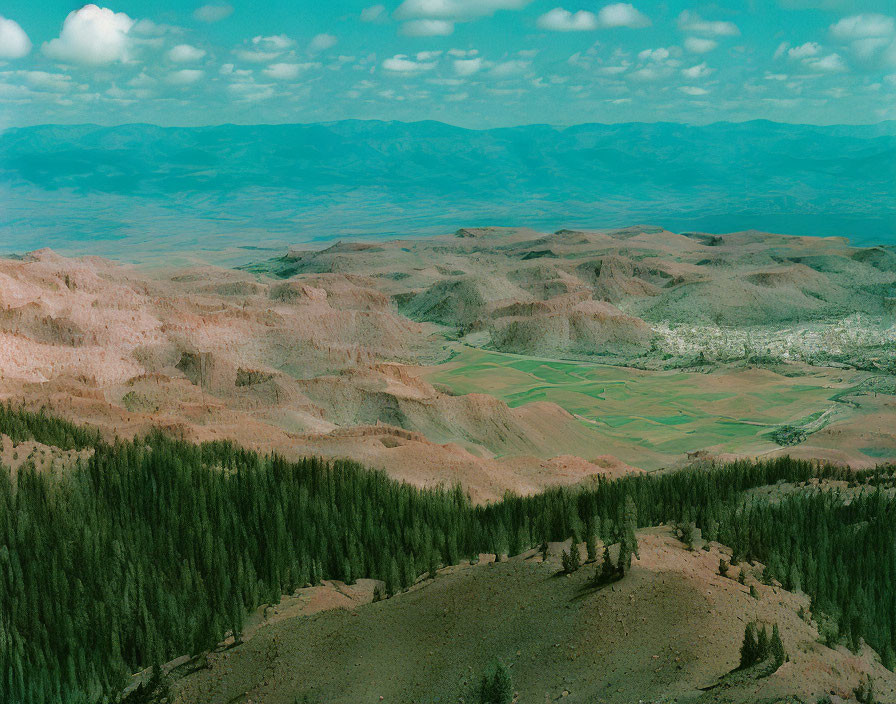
(475, 63)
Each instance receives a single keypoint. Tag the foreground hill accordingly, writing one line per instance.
(669, 632)
(229, 185)
(227, 565)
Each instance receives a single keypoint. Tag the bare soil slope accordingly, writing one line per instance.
(670, 631)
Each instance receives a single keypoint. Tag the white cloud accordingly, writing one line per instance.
(467, 67)
(560, 20)
(214, 12)
(92, 35)
(651, 73)
(781, 50)
(660, 54)
(456, 97)
(698, 71)
(373, 13)
(44, 81)
(14, 43)
(322, 42)
(621, 14)
(863, 27)
(693, 90)
(612, 70)
(185, 76)
(276, 42)
(804, 51)
(402, 64)
(509, 68)
(251, 92)
(256, 56)
(148, 28)
(428, 55)
(285, 71)
(143, 80)
(692, 22)
(184, 53)
(463, 53)
(699, 45)
(427, 28)
(831, 63)
(455, 9)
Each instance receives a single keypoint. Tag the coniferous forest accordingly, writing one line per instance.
(154, 548)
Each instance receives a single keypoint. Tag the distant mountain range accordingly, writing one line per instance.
(138, 189)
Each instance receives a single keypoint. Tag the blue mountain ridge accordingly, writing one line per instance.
(138, 186)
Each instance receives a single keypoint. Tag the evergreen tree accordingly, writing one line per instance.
(749, 649)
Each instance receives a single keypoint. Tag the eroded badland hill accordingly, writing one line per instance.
(498, 358)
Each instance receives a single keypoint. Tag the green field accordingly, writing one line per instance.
(652, 418)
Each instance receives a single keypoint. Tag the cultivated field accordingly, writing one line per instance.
(652, 418)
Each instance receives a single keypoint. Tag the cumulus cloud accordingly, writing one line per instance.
(693, 90)
(185, 77)
(432, 18)
(804, 51)
(251, 92)
(276, 42)
(616, 15)
(14, 43)
(692, 22)
(463, 53)
(214, 12)
(427, 28)
(93, 36)
(621, 14)
(510, 68)
(373, 13)
(287, 71)
(699, 45)
(467, 67)
(402, 64)
(660, 54)
(560, 20)
(651, 73)
(455, 9)
(832, 63)
(698, 71)
(863, 27)
(185, 53)
(322, 42)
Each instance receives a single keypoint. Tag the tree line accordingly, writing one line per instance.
(153, 548)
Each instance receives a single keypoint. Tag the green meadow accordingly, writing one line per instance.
(651, 418)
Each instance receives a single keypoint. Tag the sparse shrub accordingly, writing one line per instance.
(496, 686)
(685, 532)
(864, 693)
(571, 560)
(723, 567)
(742, 577)
(753, 592)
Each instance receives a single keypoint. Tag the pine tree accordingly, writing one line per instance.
(749, 649)
(777, 647)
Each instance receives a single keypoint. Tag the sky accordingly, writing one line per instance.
(473, 63)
